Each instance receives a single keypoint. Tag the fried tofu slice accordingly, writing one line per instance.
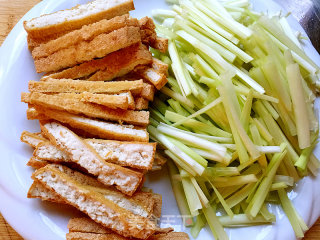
(51, 85)
(113, 65)
(76, 17)
(157, 207)
(98, 128)
(38, 190)
(36, 42)
(37, 163)
(148, 91)
(74, 106)
(113, 236)
(147, 31)
(141, 103)
(131, 102)
(85, 228)
(86, 33)
(112, 101)
(159, 160)
(161, 44)
(149, 35)
(33, 114)
(129, 154)
(150, 76)
(50, 153)
(141, 203)
(25, 97)
(86, 225)
(160, 66)
(110, 215)
(133, 204)
(80, 152)
(98, 47)
(153, 76)
(147, 23)
(32, 139)
(123, 65)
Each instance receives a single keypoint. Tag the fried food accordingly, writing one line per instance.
(74, 106)
(129, 154)
(141, 103)
(110, 215)
(51, 85)
(80, 152)
(86, 33)
(98, 47)
(75, 18)
(97, 128)
(113, 65)
(153, 76)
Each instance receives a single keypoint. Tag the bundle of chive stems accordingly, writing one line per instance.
(236, 117)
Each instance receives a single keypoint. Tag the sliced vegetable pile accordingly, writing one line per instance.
(237, 115)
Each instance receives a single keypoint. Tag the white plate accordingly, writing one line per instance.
(36, 220)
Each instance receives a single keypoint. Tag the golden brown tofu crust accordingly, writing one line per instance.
(98, 47)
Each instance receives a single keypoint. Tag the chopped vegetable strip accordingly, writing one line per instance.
(237, 115)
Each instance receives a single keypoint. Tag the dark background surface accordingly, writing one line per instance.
(307, 12)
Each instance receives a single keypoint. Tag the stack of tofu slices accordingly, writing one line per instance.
(93, 149)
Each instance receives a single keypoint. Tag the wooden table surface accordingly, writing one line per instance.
(10, 13)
